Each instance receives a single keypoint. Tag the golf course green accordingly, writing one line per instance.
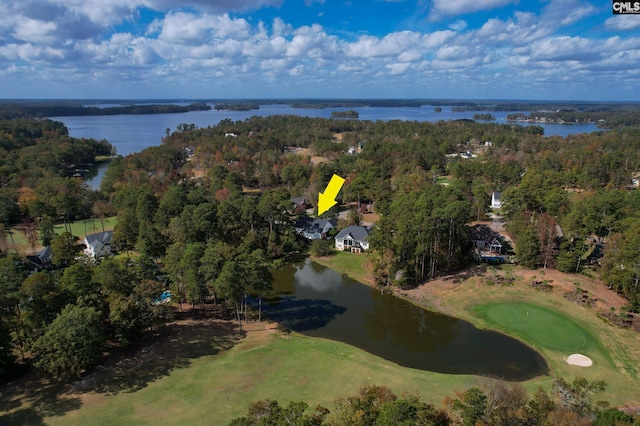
(539, 326)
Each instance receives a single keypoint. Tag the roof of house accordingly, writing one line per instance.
(496, 195)
(358, 233)
(496, 243)
(41, 258)
(298, 200)
(100, 237)
(306, 223)
(482, 232)
(44, 254)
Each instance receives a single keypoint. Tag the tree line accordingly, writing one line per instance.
(64, 109)
(490, 403)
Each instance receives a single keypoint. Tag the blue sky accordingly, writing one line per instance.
(458, 49)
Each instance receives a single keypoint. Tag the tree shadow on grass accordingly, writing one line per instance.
(176, 347)
(24, 416)
(32, 398)
(28, 402)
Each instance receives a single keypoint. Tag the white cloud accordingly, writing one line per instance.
(409, 56)
(398, 67)
(436, 39)
(565, 48)
(296, 71)
(34, 30)
(145, 55)
(187, 28)
(458, 25)
(30, 52)
(453, 52)
(273, 64)
(440, 8)
(560, 13)
(102, 12)
(200, 44)
(522, 31)
(307, 41)
(395, 43)
(280, 28)
(213, 6)
(622, 23)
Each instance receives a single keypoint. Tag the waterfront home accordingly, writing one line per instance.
(353, 238)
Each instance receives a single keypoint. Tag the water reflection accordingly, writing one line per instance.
(398, 322)
(320, 302)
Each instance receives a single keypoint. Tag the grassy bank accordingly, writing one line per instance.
(351, 264)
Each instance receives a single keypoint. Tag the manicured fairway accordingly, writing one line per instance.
(79, 228)
(538, 325)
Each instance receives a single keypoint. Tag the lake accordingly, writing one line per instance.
(133, 133)
(319, 302)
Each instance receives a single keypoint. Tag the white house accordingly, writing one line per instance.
(495, 200)
(98, 245)
(353, 238)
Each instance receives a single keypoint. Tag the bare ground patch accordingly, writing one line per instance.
(435, 293)
(308, 152)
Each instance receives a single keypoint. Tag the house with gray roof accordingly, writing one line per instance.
(41, 260)
(353, 238)
(313, 229)
(299, 205)
(98, 245)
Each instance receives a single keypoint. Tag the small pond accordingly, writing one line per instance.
(317, 301)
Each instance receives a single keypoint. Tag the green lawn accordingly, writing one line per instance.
(215, 389)
(79, 228)
(351, 264)
(539, 325)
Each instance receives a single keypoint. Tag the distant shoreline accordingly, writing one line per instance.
(14, 110)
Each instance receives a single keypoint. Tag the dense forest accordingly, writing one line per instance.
(236, 106)
(345, 114)
(203, 209)
(484, 117)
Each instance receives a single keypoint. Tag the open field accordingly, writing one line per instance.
(79, 228)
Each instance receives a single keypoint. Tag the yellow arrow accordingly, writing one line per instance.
(327, 199)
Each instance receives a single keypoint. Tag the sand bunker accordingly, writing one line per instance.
(579, 360)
